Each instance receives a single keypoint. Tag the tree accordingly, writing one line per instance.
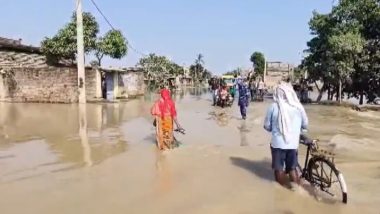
(64, 44)
(197, 69)
(345, 47)
(158, 69)
(258, 60)
(113, 44)
(199, 59)
(207, 74)
(345, 50)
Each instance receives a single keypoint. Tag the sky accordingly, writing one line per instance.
(225, 32)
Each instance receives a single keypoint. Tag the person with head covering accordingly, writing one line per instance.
(285, 119)
(243, 98)
(165, 113)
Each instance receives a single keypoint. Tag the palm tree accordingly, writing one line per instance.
(199, 62)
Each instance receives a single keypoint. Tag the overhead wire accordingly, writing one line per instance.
(128, 43)
(113, 28)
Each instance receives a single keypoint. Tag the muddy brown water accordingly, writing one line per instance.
(102, 159)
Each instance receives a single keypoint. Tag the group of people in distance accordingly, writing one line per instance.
(285, 119)
(257, 88)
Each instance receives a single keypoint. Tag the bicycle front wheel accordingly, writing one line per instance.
(329, 182)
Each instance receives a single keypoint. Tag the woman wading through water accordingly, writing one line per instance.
(165, 113)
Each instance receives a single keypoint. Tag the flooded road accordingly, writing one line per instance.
(103, 159)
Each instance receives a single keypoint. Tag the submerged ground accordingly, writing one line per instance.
(222, 166)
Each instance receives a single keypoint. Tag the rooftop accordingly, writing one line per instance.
(16, 45)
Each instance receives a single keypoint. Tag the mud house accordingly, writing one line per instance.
(25, 76)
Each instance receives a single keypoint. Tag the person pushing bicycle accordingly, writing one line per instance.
(285, 119)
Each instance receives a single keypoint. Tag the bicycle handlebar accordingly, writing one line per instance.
(306, 140)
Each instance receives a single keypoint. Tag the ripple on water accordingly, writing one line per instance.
(368, 114)
(348, 143)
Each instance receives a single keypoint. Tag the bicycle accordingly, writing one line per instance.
(319, 170)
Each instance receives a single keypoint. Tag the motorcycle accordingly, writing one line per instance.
(224, 101)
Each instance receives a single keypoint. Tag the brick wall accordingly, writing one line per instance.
(50, 84)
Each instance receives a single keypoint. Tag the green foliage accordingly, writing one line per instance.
(258, 60)
(298, 73)
(206, 75)
(158, 69)
(345, 49)
(113, 44)
(64, 43)
(198, 71)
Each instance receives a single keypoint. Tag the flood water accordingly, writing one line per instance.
(103, 159)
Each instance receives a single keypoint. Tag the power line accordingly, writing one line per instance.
(101, 13)
(112, 27)
(128, 43)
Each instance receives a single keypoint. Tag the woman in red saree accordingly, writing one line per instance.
(165, 113)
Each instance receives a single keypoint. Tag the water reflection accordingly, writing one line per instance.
(164, 178)
(63, 136)
(243, 133)
(40, 138)
(83, 135)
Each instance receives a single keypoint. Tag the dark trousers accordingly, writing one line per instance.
(243, 103)
(253, 93)
(243, 111)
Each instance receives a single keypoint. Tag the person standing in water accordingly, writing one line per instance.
(252, 88)
(260, 88)
(214, 90)
(285, 118)
(165, 113)
(243, 98)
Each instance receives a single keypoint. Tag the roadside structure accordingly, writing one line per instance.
(26, 76)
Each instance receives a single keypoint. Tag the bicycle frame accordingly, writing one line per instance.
(323, 183)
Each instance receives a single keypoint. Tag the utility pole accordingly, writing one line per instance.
(80, 55)
(82, 111)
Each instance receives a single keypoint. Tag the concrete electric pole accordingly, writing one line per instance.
(80, 54)
(82, 88)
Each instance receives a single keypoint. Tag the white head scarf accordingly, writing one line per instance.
(286, 99)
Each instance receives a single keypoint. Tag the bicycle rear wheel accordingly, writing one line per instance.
(330, 183)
